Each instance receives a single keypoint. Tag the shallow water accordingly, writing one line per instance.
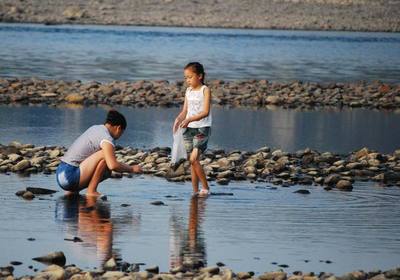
(246, 129)
(107, 53)
(246, 231)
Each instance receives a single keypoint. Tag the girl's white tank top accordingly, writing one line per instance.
(195, 100)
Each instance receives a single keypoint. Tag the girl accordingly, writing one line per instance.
(196, 118)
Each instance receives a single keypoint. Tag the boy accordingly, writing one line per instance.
(92, 156)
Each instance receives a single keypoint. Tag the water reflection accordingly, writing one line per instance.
(89, 218)
(187, 245)
(333, 130)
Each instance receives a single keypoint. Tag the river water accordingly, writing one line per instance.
(340, 131)
(256, 226)
(106, 53)
(247, 231)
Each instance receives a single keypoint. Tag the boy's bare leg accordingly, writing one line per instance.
(196, 166)
(96, 178)
(68, 193)
(88, 168)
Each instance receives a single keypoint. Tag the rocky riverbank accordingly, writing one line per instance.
(355, 15)
(305, 167)
(119, 269)
(254, 93)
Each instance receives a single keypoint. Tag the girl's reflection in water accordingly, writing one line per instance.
(89, 218)
(188, 246)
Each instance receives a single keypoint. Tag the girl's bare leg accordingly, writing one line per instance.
(198, 169)
(195, 179)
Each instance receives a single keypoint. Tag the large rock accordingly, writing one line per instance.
(277, 275)
(273, 100)
(52, 272)
(22, 165)
(361, 153)
(75, 98)
(113, 275)
(332, 179)
(14, 157)
(73, 13)
(212, 270)
(110, 264)
(57, 258)
(344, 185)
(180, 171)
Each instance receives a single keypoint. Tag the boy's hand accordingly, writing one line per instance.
(136, 169)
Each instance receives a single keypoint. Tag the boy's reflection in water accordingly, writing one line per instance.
(89, 218)
(188, 245)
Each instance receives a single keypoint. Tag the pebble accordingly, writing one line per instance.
(28, 195)
(153, 269)
(158, 203)
(301, 191)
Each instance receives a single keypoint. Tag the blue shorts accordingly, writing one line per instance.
(68, 176)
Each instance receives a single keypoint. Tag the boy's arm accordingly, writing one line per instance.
(204, 113)
(113, 164)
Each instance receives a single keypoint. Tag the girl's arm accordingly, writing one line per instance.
(181, 116)
(204, 113)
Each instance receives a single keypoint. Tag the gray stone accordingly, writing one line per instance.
(113, 275)
(302, 191)
(28, 195)
(52, 272)
(153, 269)
(243, 275)
(110, 264)
(210, 270)
(223, 181)
(157, 203)
(57, 258)
(344, 185)
(14, 157)
(22, 165)
(331, 179)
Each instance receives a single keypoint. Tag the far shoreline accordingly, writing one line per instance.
(222, 28)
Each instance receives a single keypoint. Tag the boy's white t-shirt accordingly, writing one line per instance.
(195, 100)
(87, 144)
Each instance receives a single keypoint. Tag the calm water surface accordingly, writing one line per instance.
(245, 129)
(106, 53)
(246, 231)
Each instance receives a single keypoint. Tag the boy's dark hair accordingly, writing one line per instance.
(197, 68)
(116, 118)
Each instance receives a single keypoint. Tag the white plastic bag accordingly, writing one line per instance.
(178, 148)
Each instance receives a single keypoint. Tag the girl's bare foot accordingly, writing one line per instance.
(204, 192)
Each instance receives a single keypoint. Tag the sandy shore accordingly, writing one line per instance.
(354, 15)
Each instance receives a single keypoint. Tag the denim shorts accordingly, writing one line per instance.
(196, 138)
(68, 176)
